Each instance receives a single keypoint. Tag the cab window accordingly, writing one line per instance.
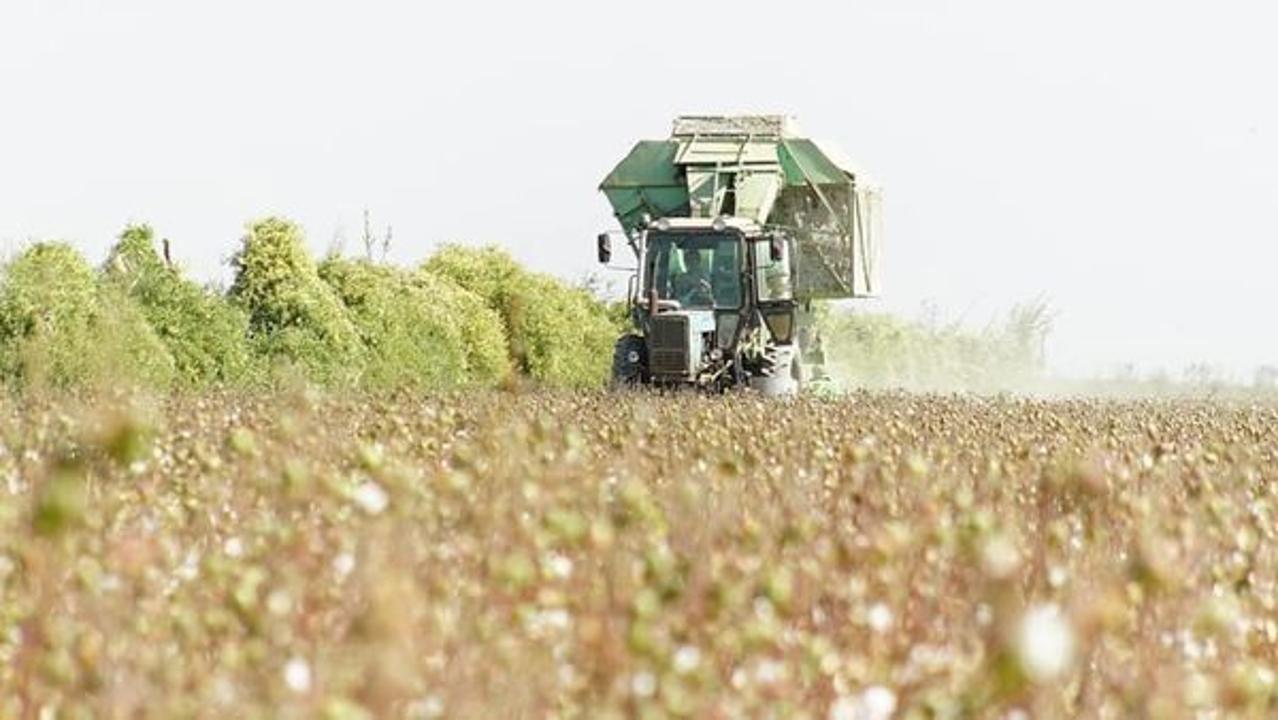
(773, 277)
(698, 270)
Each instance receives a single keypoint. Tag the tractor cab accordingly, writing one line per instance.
(704, 290)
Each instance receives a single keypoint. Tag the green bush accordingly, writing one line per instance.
(488, 272)
(205, 334)
(558, 335)
(465, 317)
(61, 329)
(295, 318)
(127, 348)
(413, 333)
(482, 332)
(567, 337)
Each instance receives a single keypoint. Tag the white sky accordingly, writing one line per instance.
(1119, 158)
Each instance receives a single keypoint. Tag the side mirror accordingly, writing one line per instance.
(605, 247)
(775, 249)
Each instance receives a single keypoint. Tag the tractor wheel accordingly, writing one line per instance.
(782, 374)
(629, 362)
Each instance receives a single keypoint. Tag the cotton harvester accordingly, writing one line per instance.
(738, 225)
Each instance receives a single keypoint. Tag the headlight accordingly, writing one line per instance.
(632, 357)
(720, 224)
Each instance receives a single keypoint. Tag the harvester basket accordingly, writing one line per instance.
(757, 167)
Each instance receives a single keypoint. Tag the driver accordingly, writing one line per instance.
(693, 285)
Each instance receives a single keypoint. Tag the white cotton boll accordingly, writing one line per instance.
(545, 622)
(1057, 576)
(879, 617)
(190, 567)
(1000, 558)
(559, 566)
(344, 565)
(371, 498)
(686, 659)
(643, 684)
(879, 703)
(1044, 643)
(844, 708)
(984, 615)
(233, 547)
(224, 692)
(557, 618)
(874, 703)
(427, 708)
(297, 675)
(279, 603)
(769, 672)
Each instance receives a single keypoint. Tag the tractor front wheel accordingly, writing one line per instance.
(629, 362)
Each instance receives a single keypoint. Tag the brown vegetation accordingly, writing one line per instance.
(592, 555)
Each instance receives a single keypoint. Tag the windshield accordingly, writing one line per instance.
(699, 271)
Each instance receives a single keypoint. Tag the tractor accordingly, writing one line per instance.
(738, 224)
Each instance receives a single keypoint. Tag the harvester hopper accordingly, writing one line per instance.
(762, 169)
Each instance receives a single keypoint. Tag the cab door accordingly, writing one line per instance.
(774, 275)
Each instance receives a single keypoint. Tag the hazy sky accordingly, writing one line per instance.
(1118, 158)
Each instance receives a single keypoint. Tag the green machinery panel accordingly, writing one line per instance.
(758, 167)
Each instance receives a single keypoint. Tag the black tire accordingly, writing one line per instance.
(629, 362)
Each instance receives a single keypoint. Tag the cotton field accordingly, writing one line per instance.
(542, 555)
